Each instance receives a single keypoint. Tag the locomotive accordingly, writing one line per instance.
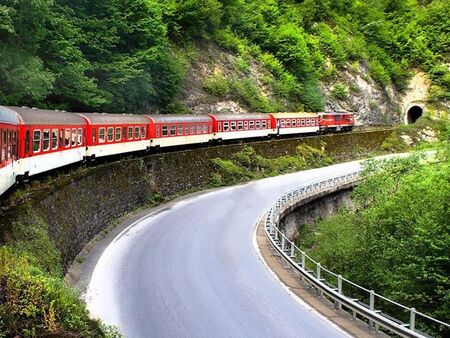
(33, 141)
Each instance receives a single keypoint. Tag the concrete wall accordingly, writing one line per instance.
(78, 207)
(313, 211)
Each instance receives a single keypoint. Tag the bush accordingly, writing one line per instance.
(216, 85)
(32, 304)
(339, 91)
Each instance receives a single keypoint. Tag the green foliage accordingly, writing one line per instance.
(396, 240)
(216, 85)
(118, 56)
(33, 304)
(248, 93)
(192, 18)
(246, 165)
(339, 91)
(414, 133)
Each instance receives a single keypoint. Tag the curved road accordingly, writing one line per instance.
(191, 270)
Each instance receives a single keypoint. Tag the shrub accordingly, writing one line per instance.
(216, 85)
(33, 304)
(339, 91)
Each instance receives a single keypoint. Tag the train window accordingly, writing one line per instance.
(264, 124)
(192, 129)
(124, 133)
(303, 122)
(307, 122)
(258, 124)
(54, 139)
(226, 126)
(233, 125)
(110, 134)
(312, 122)
(8, 149)
(36, 141)
(118, 134)
(130, 133)
(199, 129)
(246, 125)
(240, 125)
(73, 138)
(282, 123)
(14, 145)
(164, 131)
(2, 147)
(61, 138)
(27, 142)
(338, 117)
(94, 135)
(186, 130)
(46, 140)
(173, 130)
(251, 125)
(288, 123)
(294, 123)
(143, 132)
(80, 137)
(101, 135)
(180, 129)
(67, 138)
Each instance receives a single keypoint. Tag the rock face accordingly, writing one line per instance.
(350, 89)
(355, 91)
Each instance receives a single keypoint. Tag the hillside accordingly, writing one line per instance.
(235, 55)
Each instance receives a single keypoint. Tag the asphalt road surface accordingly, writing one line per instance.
(192, 270)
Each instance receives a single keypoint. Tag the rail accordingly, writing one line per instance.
(342, 291)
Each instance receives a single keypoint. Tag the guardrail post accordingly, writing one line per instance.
(371, 306)
(292, 249)
(303, 261)
(412, 319)
(283, 242)
(339, 291)
(319, 293)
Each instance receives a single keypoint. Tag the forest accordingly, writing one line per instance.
(130, 55)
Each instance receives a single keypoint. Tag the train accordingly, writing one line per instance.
(34, 141)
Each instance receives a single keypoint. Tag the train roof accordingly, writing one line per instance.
(179, 118)
(227, 117)
(292, 115)
(35, 116)
(106, 119)
(8, 116)
(341, 112)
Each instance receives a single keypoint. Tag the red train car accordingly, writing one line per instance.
(237, 126)
(9, 126)
(48, 139)
(173, 130)
(336, 121)
(295, 123)
(112, 134)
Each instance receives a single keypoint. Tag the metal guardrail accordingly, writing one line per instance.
(334, 285)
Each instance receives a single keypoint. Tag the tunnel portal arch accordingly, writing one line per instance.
(413, 114)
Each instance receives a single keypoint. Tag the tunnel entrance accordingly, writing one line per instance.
(414, 113)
